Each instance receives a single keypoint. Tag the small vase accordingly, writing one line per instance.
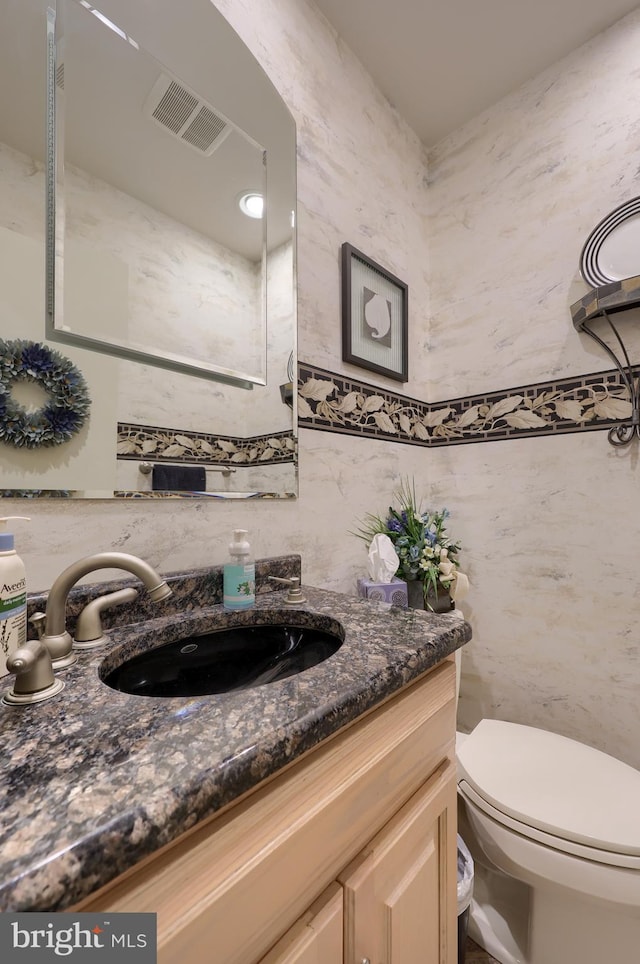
(437, 602)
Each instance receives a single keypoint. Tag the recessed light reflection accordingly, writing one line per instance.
(251, 203)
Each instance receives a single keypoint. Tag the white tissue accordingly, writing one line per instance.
(383, 559)
(459, 587)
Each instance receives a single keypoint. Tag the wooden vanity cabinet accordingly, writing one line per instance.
(347, 855)
(317, 937)
(396, 893)
(392, 904)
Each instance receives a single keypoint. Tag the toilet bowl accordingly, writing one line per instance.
(554, 830)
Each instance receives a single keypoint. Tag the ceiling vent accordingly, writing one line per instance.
(186, 116)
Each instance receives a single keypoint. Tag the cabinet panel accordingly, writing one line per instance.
(400, 893)
(317, 937)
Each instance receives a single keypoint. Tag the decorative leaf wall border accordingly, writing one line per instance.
(153, 444)
(338, 403)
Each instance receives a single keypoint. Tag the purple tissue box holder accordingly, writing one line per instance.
(394, 592)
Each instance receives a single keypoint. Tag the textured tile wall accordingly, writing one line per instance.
(551, 522)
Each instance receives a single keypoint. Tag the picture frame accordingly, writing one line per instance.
(375, 316)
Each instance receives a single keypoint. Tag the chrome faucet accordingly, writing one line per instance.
(51, 626)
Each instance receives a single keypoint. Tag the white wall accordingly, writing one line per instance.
(551, 524)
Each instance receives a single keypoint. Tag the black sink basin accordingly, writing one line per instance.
(224, 660)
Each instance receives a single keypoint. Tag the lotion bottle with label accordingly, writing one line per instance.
(13, 596)
(239, 575)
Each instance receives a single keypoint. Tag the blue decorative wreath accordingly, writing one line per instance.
(68, 404)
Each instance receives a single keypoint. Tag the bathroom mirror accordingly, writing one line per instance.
(176, 308)
(130, 134)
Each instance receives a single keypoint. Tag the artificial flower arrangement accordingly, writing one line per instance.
(425, 552)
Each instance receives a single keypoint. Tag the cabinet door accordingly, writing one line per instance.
(317, 937)
(400, 892)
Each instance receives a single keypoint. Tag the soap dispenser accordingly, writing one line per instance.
(13, 596)
(239, 574)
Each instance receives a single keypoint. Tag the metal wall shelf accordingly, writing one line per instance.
(606, 299)
(601, 302)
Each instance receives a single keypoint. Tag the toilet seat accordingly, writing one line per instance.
(547, 839)
(554, 790)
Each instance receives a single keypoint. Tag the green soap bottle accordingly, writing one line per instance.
(239, 575)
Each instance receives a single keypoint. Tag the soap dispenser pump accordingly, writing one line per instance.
(239, 574)
(13, 595)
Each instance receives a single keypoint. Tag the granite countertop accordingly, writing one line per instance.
(94, 780)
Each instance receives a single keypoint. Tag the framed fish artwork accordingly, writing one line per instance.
(374, 316)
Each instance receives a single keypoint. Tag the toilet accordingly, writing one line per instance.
(554, 830)
(553, 827)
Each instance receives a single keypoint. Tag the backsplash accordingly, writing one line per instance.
(334, 403)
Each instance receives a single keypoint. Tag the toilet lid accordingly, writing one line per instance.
(554, 784)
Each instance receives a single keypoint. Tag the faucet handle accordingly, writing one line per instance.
(34, 681)
(38, 622)
(89, 633)
(295, 595)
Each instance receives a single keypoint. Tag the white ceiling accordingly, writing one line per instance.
(442, 62)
